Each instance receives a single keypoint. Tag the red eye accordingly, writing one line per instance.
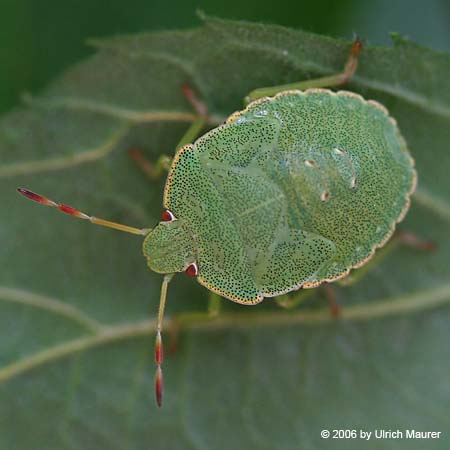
(192, 270)
(167, 216)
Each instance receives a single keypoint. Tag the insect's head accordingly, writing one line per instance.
(169, 247)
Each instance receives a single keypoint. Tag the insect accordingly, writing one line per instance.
(294, 191)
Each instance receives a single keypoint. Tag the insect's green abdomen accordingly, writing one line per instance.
(295, 190)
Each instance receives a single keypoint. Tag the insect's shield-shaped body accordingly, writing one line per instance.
(293, 191)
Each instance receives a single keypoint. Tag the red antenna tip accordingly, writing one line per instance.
(159, 386)
(35, 197)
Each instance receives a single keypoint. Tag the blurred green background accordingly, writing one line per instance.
(41, 38)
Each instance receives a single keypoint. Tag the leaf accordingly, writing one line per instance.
(77, 304)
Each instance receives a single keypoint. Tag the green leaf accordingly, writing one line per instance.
(77, 304)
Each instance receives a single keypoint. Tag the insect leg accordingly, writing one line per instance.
(412, 240)
(293, 299)
(214, 304)
(201, 109)
(154, 171)
(330, 295)
(193, 132)
(289, 301)
(177, 322)
(322, 82)
(400, 238)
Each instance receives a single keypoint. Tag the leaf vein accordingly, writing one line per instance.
(51, 305)
(64, 162)
(408, 303)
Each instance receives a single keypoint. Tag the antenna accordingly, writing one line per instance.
(81, 215)
(117, 226)
(158, 341)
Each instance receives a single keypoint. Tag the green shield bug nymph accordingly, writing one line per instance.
(295, 190)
